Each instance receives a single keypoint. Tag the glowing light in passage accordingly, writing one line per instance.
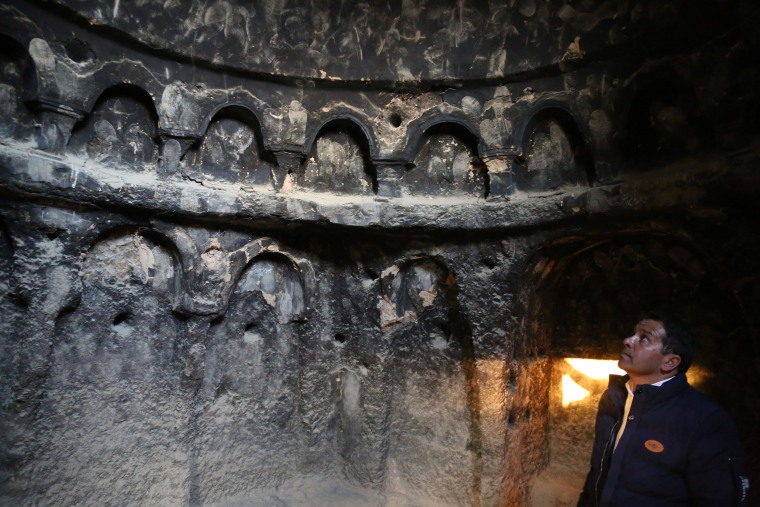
(593, 369)
(598, 369)
(571, 391)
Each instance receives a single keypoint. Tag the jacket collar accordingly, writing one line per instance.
(666, 390)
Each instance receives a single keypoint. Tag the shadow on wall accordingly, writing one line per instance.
(584, 297)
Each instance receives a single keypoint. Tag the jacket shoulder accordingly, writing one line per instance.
(701, 405)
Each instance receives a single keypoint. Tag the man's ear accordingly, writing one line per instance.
(670, 363)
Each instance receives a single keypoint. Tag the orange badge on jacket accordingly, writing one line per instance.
(654, 446)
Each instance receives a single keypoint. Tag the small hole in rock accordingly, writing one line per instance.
(123, 316)
(68, 310)
(340, 337)
(395, 119)
(19, 300)
(78, 51)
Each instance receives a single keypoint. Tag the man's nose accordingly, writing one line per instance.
(628, 342)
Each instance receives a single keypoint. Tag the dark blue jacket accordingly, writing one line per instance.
(679, 448)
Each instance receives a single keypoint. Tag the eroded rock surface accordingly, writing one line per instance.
(267, 253)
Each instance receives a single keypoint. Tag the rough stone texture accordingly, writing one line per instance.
(318, 253)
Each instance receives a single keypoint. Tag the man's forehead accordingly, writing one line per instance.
(650, 326)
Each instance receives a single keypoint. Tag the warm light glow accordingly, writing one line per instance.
(592, 369)
(598, 369)
(571, 391)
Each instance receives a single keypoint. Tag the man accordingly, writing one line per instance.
(658, 441)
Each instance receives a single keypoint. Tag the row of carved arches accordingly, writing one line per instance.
(124, 351)
(442, 153)
(171, 265)
(340, 156)
(650, 119)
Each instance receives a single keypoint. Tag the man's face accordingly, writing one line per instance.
(642, 355)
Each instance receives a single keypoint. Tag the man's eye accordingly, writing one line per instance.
(644, 339)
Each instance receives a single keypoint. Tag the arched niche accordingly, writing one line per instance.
(17, 83)
(582, 296)
(446, 163)
(554, 153)
(133, 259)
(658, 116)
(114, 405)
(120, 131)
(339, 160)
(231, 150)
(434, 437)
(275, 276)
(416, 286)
(251, 384)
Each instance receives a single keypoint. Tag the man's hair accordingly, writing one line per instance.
(677, 340)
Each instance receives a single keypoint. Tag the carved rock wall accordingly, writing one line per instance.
(317, 254)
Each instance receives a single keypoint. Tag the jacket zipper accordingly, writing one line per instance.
(601, 465)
